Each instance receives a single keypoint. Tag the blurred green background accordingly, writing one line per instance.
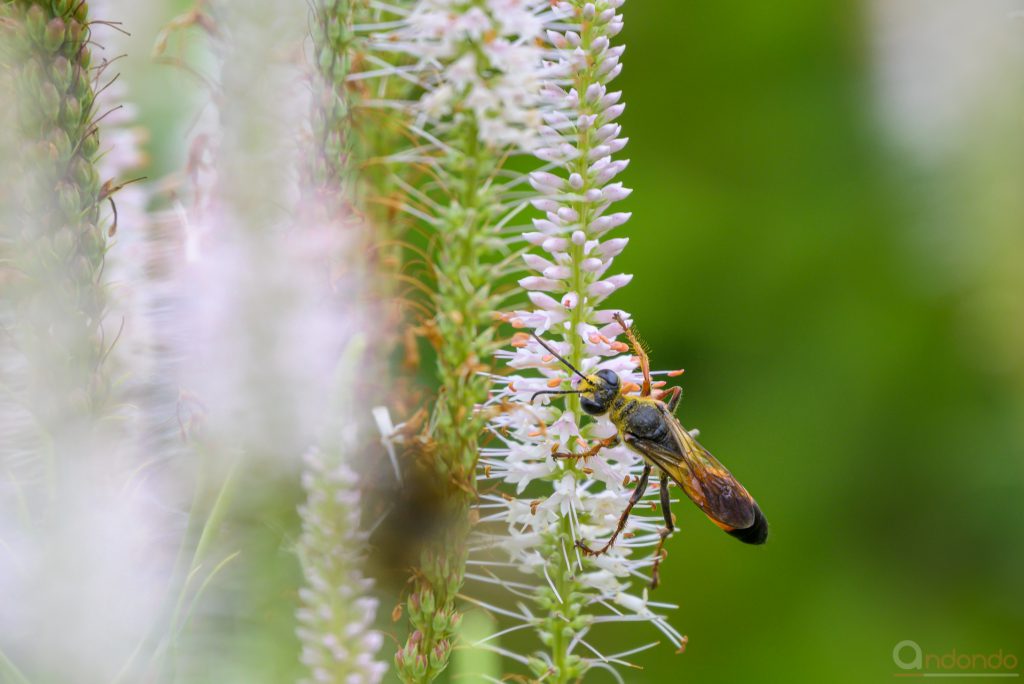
(850, 312)
(853, 351)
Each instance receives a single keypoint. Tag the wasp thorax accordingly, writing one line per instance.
(599, 391)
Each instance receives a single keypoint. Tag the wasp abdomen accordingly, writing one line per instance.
(756, 533)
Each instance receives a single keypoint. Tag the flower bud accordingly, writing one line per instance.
(420, 667)
(90, 145)
(53, 35)
(61, 144)
(427, 601)
(68, 199)
(61, 73)
(71, 114)
(48, 102)
(440, 622)
(35, 22)
(439, 655)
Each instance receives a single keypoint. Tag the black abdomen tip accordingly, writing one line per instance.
(756, 533)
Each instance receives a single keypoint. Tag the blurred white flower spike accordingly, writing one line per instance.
(569, 501)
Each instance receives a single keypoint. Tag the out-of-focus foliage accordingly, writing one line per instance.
(849, 316)
(836, 359)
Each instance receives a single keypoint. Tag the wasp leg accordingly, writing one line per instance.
(605, 443)
(641, 355)
(666, 510)
(641, 487)
(673, 395)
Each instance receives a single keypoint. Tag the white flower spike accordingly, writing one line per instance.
(568, 501)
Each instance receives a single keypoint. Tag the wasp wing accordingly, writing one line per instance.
(707, 482)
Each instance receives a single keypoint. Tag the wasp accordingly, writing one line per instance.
(648, 426)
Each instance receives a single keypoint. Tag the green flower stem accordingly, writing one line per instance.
(566, 617)
(464, 304)
(346, 181)
(334, 45)
(56, 383)
(53, 226)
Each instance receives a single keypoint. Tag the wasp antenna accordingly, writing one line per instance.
(537, 394)
(558, 356)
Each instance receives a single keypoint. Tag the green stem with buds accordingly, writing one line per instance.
(464, 303)
(53, 225)
(566, 617)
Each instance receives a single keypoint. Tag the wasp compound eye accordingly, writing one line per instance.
(592, 407)
(609, 376)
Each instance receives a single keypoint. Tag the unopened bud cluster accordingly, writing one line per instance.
(419, 659)
(433, 619)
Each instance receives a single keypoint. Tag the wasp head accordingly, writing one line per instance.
(598, 391)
